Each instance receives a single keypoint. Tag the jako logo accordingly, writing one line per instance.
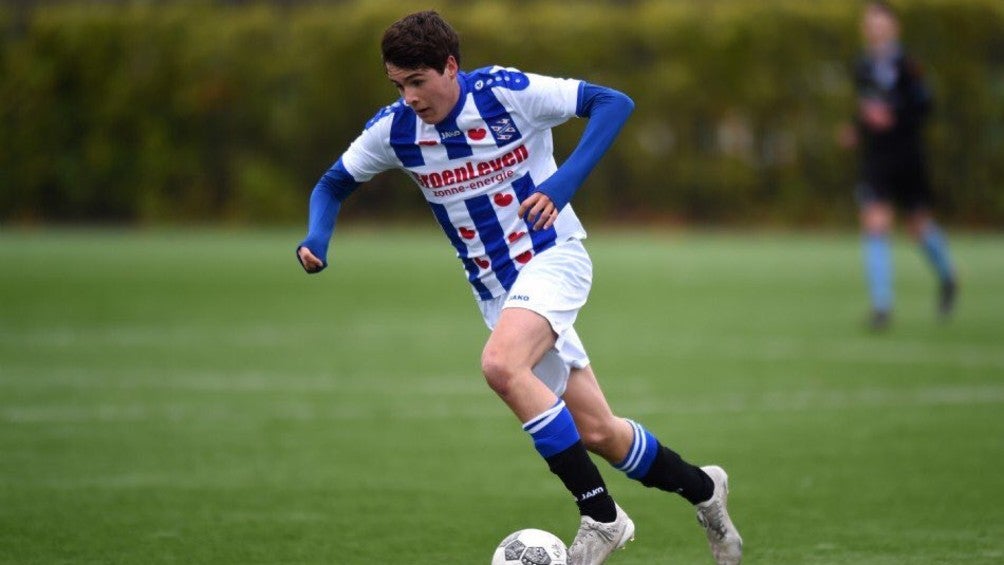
(449, 134)
(520, 297)
(592, 493)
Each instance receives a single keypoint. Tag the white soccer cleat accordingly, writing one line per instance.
(597, 540)
(723, 537)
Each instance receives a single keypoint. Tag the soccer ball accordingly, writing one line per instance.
(531, 547)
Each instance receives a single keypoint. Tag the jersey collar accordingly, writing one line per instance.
(462, 82)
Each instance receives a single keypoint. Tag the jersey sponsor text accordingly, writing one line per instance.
(472, 170)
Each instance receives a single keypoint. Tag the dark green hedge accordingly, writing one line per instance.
(148, 114)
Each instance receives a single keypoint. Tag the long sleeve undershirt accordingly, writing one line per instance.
(606, 109)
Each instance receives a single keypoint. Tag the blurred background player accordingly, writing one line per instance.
(893, 106)
(479, 147)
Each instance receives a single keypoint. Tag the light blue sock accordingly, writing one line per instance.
(878, 270)
(933, 242)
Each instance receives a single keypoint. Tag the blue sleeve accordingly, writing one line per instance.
(325, 202)
(607, 110)
(914, 108)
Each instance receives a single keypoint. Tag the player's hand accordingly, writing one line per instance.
(847, 136)
(539, 210)
(310, 262)
(877, 115)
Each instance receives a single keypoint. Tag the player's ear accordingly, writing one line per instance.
(451, 67)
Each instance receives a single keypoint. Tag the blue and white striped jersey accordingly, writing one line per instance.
(477, 165)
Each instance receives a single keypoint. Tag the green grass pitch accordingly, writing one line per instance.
(193, 397)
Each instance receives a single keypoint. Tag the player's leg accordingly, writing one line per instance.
(529, 326)
(876, 224)
(627, 445)
(934, 245)
(630, 448)
(519, 341)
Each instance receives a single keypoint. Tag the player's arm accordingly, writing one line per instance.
(863, 90)
(875, 114)
(849, 133)
(917, 101)
(325, 202)
(607, 110)
(365, 157)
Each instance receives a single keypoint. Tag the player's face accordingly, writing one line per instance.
(879, 28)
(430, 93)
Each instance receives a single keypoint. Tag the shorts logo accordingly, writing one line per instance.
(503, 128)
(519, 298)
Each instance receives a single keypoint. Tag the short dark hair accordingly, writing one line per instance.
(884, 7)
(420, 40)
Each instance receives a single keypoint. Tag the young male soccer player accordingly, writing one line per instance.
(478, 145)
(893, 105)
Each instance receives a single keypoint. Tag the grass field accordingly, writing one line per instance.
(192, 397)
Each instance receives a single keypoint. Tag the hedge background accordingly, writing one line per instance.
(143, 113)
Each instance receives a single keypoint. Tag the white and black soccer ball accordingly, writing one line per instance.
(531, 547)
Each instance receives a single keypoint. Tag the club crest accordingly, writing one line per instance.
(503, 129)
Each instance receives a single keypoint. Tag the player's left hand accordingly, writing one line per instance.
(539, 210)
(846, 136)
(877, 115)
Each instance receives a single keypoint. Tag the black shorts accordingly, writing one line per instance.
(909, 190)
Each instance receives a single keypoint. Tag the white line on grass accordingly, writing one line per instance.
(400, 409)
(857, 351)
(871, 350)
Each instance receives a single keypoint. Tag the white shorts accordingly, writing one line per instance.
(555, 284)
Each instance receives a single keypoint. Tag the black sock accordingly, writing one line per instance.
(669, 472)
(581, 477)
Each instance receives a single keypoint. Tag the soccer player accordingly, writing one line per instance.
(478, 146)
(893, 105)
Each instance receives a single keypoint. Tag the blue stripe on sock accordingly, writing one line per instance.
(556, 436)
(546, 415)
(636, 449)
(643, 450)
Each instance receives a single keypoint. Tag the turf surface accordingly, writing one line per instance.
(192, 397)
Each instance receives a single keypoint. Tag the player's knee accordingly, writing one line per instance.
(876, 228)
(498, 370)
(876, 220)
(917, 225)
(599, 436)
